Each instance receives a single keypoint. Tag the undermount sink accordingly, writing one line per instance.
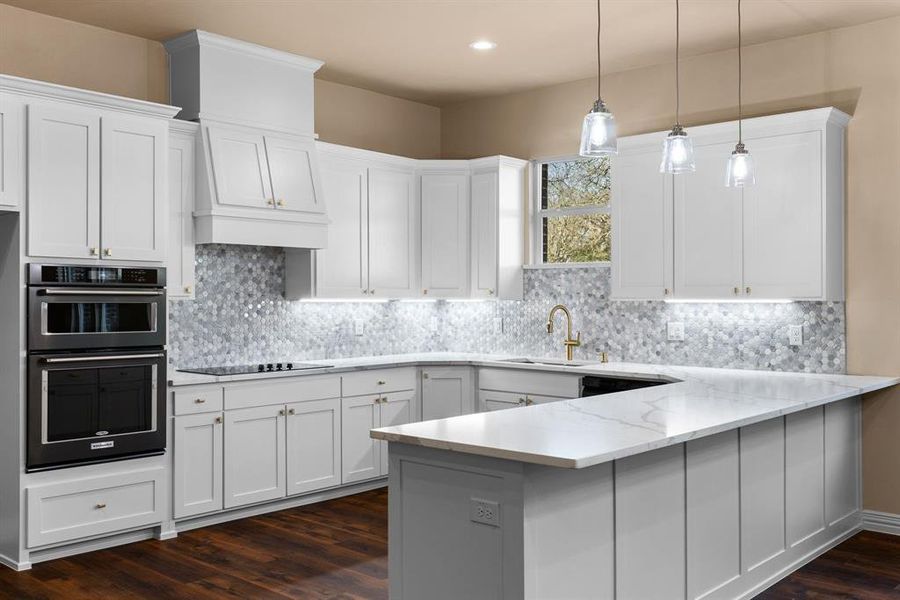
(550, 363)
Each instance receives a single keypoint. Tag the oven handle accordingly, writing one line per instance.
(71, 359)
(89, 292)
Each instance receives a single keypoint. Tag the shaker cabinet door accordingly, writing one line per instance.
(180, 265)
(447, 392)
(360, 455)
(12, 145)
(485, 230)
(240, 168)
(254, 455)
(64, 182)
(134, 202)
(397, 408)
(342, 269)
(393, 234)
(445, 235)
(294, 172)
(313, 445)
(198, 464)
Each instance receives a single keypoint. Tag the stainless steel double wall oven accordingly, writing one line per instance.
(96, 364)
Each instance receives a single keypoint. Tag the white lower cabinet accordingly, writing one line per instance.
(489, 400)
(198, 464)
(254, 455)
(313, 445)
(447, 392)
(362, 457)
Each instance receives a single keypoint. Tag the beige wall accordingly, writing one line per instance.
(47, 48)
(856, 69)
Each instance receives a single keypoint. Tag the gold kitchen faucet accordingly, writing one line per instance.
(569, 342)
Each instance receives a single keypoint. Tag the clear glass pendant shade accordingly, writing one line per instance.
(740, 171)
(598, 133)
(678, 153)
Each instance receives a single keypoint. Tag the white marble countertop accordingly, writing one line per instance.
(583, 432)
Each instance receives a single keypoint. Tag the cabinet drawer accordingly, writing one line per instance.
(294, 389)
(489, 401)
(71, 510)
(542, 383)
(376, 381)
(194, 400)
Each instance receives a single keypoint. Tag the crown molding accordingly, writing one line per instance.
(199, 38)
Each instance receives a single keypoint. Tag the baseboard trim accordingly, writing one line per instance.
(283, 504)
(882, 522)
(13, 564)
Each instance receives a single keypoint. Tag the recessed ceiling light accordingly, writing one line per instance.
(483, 45)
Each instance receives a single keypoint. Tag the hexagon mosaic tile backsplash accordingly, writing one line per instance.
(239, 316)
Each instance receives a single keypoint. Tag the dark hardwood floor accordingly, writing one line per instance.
(338, 550)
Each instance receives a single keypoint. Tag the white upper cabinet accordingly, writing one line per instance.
(445, 234)
(295, 174)
(707, 228)
(12, 153)
(393, 233)
(781, 238)
(180, 263)
(240, 168)
(642, 221)
(497, 241)
(64, 181)
(133, 188)
(784, 218)
(342, 269)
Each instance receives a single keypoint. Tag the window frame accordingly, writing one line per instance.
(538, 214)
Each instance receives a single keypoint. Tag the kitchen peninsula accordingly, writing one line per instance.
(717, 483)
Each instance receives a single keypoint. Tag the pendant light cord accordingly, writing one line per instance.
(677, 68)
(740, 79)
(599, 71)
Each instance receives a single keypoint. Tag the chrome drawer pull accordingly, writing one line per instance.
(84, 292)
(99, 358)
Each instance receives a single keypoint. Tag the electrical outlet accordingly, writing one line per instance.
(675, 331)
(795, 335)
(435, 323)
(498, 325)
(359, 327)
(484, 511)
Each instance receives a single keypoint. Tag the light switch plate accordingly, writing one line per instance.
(484, 511)
(359, 327)
(795, 335)
(675, 331)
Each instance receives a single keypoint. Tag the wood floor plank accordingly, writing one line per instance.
(337, 550)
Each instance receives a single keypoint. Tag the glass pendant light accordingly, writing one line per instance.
(598, 133)
(678, 150)
(740, 165)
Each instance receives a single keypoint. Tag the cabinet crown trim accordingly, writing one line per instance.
(197, 38)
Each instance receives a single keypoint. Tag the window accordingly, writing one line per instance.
(573, 220)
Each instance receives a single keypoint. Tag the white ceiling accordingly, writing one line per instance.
(418, 49)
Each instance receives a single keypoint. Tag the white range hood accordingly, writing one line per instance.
(258, 176)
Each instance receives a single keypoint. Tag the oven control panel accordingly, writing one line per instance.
(90, 275)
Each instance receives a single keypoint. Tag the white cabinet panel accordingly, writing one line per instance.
(64, 182)
(642, 226)
(360, 458)
(489, 400)
(484, 235)
(762, 493)
(254, 455)
(12, 145)
(842, 460)
(240, 168)
(447, 392)
(313, 445)
(393, 234)
(805, 474)
(708, 228)
(713, 513)
(181, 255)
(134, 205)
(650, 525)
(445, 235)
(342, 269)
(293, 168)
(397, 408)
(783, 218)
(198, 457)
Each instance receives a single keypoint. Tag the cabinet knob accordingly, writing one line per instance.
(365, 292)
(748, 289)
(737, 290)
(218, 420)
(281, 413)
(372, 292)
(200, 401)
(270, 201)
(381, 382)
(281, 202)
(490, 292)
(424, 375)
(93, 251)
(528, 401)
(425, 291)
(665, 291)
(188, 289)
(107, 252)
(291, 411)
(521, 401)
(100, 506)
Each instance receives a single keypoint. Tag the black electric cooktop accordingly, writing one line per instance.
(250, 369)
